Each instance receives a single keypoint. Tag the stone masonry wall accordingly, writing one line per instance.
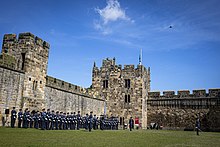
(11, 89)
(180, 111)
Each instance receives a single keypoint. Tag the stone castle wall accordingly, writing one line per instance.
(11, 88)
(66, 97)
(180, 111)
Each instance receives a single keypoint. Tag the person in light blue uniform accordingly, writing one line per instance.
(13, 117)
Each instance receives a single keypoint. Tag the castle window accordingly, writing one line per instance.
(75, 87)
(105, 84)
(29, 79)
(40, 82)
(34, 85)
(69, 85)
(127, 98)
(23, 60)
(127, 83)
(6, 50)
(55, 80)
(62, 83)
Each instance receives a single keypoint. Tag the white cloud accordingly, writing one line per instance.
(111, 13)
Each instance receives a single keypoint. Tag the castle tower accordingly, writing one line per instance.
(124, 89)
(31, 54)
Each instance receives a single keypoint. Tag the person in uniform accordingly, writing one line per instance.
(90, 121)
(60, 120)
(57, 120)
(13, 117)
(197, 125)
(25, 121)
(74, 120)
(43, 119)
(36, 118)
(53, 120)
(131, 123)
(32, 118)
(48, 119)
(20, 118)
(94, 122)
(78, 120)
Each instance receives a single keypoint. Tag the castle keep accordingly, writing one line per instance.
(125, 89)
(117, 90)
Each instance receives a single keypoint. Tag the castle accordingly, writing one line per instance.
(117, 90)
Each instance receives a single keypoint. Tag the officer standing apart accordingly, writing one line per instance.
(197, 125)
(131, 123)
(13, 117)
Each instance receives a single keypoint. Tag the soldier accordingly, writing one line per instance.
(65, 122)
(48, 119)
(20, 118)
(57, 120)
(53, 120)
(86, 121)
(94, 122)
(13, 117)
(60, 120)
(43, 119)
(31, 117)
(90, 121)
(78, 120)
(71, 121)
(36, 118)
(25, 121)
(74, 120)
(197, 125)
(28, 118)
(68, 119)
(131, 123)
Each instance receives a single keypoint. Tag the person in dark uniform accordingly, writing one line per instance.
(48, 119)
(13, 117)
(94, 122)
(57, 120)
(131, 123)
(197, 125)
(31, 117)
(60, 120)
(20, 118)
(90, 121)
(43, 119)
(74, 120)
(86, 121)
(25, 119)
(36, 118)
(53, 120)
(78, 120)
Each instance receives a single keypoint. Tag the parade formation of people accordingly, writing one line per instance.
(51, 120)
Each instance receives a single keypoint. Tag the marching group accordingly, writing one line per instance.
(51, 120)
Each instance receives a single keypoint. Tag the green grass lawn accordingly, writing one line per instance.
(33, 137)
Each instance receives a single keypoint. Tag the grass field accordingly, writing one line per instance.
(120, 138)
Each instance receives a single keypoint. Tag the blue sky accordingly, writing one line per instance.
(186, 56)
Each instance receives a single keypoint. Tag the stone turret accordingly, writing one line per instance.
(31, 56)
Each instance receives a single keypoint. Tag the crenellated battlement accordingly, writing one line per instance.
(65, 86)
(23, 38)
(185, 94)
